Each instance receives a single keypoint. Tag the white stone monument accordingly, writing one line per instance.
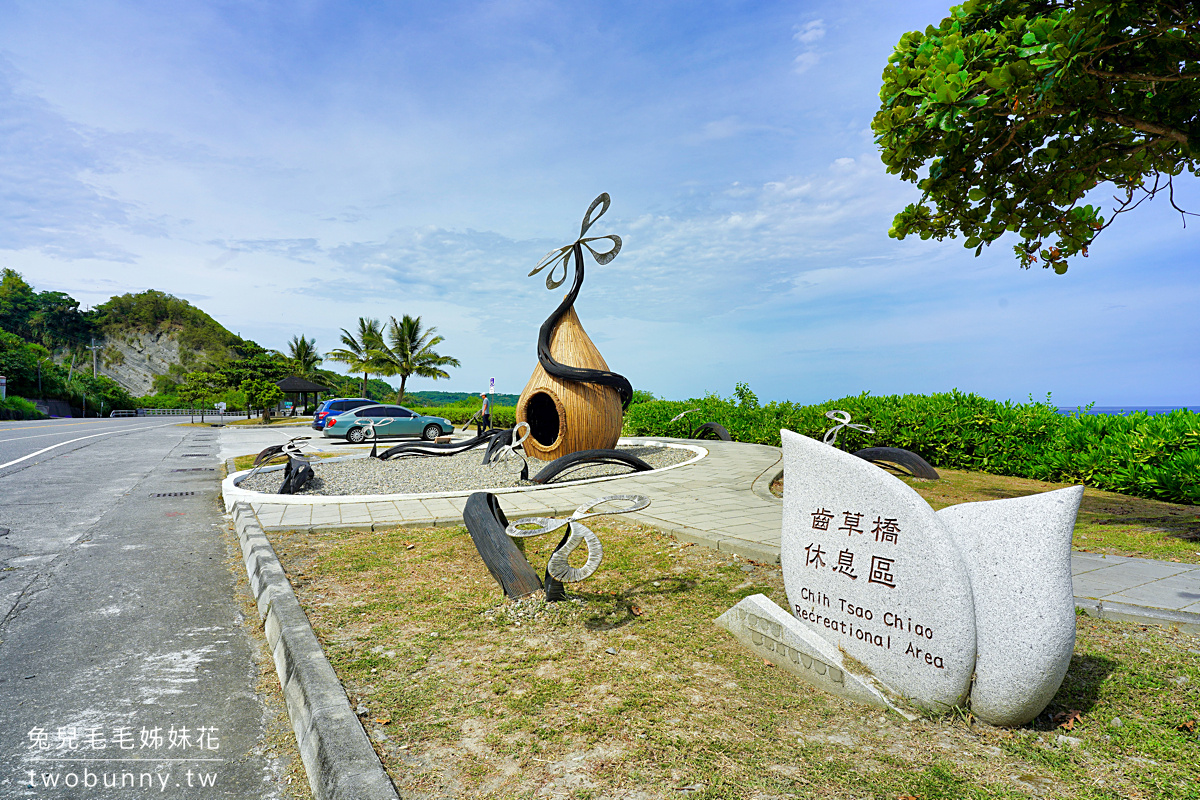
(912, 608)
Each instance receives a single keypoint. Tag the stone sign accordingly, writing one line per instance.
(914, 603)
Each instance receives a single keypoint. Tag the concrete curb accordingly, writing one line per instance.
(1185, 621)
(338, 757)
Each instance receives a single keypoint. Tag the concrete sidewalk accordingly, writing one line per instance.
(721, 501)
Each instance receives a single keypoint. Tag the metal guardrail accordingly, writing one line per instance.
(175, 412)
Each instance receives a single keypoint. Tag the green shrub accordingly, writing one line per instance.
(24, 409)
(1149, 456)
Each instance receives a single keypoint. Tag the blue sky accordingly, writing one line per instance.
(289, 167)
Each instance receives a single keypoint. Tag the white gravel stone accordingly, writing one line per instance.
(462, 472)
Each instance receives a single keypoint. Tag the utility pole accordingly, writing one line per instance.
(93, 348)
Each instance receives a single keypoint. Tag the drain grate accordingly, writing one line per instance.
(194, 469)
(172, 494)
(197, 455)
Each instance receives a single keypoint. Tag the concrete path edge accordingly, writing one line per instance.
(337, 756)
(1186, 621)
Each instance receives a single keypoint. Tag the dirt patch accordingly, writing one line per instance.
(630, 691)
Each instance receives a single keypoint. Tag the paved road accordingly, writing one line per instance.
(119, 622)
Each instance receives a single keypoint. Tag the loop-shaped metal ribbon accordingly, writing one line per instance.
(562, 256)
(370, 424)
(510, 450)
(558, 567)
(843, 417)
(678, 417)
(579, 534)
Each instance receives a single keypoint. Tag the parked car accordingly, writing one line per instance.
(334, 406)
(354, 425)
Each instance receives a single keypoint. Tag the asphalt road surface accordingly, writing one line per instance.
(125, 670)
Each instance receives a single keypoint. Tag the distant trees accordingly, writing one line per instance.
(261, 394)
(18, 302)
(200, 388)
(153, 310)
(51, 319)
(37, 327)
(304, 353)
(410, 352)
(362, 352)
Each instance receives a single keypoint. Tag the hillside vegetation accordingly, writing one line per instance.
(153, 311)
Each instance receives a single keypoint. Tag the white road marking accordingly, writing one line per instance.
(81, 438)
(34, 436)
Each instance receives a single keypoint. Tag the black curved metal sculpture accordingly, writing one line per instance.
(423, 448)
(558, 569)
(272, 452)
(503, 447)
(586, 457)
(495, 539)
(502, 439)
(717, 430)
(904, 460)
(487, 524)
(296, 471)
(296, 475)
(564, 257)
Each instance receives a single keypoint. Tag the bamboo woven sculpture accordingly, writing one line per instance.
(572, 401)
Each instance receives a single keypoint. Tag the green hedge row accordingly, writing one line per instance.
(1149, 456)
(502, 416)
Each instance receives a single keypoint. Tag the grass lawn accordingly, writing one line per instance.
(630, 690)
(1108, 522)
(247, 461)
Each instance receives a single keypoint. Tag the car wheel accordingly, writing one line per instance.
(431, 432)
(356, 435)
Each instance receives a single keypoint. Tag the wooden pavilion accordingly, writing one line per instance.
(293, 385)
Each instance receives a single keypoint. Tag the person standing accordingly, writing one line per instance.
(485, 414)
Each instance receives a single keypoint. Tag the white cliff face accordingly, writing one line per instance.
(134, 359)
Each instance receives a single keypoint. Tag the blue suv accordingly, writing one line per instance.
(335, 406)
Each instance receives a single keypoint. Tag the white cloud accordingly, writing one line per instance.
(810, 32)
(807, 35)
(805, 61)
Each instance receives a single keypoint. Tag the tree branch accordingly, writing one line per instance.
(1146, 127)
(1131, 76)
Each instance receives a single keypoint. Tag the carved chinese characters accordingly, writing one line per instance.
(870, 568)
(914, 603)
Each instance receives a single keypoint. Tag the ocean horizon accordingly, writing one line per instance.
(1124, 411)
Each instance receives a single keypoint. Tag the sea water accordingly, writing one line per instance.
(1124, 411)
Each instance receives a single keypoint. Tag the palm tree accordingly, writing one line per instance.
(411, 352)
(365, 353)
(304, 353)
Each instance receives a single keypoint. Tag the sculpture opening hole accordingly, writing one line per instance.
(542, 414)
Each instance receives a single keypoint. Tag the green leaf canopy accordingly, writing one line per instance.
(1008, 113)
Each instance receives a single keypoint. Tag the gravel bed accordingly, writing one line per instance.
(462, 472)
